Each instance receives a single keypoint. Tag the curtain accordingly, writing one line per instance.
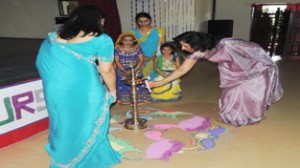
(293, 7)
(256, 10)
(112, 21)
(257, 7)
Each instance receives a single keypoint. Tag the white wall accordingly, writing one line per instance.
(237, 10)
(203, 13)
(125, 14)
(27, 18)
(35, 18)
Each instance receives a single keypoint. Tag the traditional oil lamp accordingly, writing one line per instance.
(134, 123)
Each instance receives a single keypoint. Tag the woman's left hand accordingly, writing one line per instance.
(114, 94)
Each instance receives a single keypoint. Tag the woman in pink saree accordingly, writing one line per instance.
(249, 79)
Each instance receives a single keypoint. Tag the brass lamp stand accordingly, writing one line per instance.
(134, 123)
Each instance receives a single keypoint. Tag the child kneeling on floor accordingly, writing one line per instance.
(164, 64)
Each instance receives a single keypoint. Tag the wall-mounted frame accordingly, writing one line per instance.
(66, 6)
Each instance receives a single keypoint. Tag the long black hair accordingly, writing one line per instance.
(168, 44)
(140, 15)
(197, 40)
(86, 18)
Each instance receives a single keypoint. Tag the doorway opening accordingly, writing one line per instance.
(269, 27)
(277, 31)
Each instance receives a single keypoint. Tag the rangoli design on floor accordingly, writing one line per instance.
(201, 134)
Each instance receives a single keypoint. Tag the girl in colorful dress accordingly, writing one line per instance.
(127, 54)
(165, 64)
(149, 39)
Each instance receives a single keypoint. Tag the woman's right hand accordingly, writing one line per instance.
(153, 84)
(146, 59)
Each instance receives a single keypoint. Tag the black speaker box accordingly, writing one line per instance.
(220, 28)
(61, 20)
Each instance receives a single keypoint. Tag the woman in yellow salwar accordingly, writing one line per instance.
(149, 39)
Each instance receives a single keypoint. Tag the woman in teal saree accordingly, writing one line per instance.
(77, 100)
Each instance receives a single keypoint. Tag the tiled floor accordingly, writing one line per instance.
(273, 143)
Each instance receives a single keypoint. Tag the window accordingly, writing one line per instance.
(66, 6)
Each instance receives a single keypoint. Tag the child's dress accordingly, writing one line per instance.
(169, 92)
(123, 90)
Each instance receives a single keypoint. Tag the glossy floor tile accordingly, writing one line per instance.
(273, 143)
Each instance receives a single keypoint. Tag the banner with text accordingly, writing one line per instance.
(21, 105)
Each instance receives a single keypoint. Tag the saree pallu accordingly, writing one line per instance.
(149, 43)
